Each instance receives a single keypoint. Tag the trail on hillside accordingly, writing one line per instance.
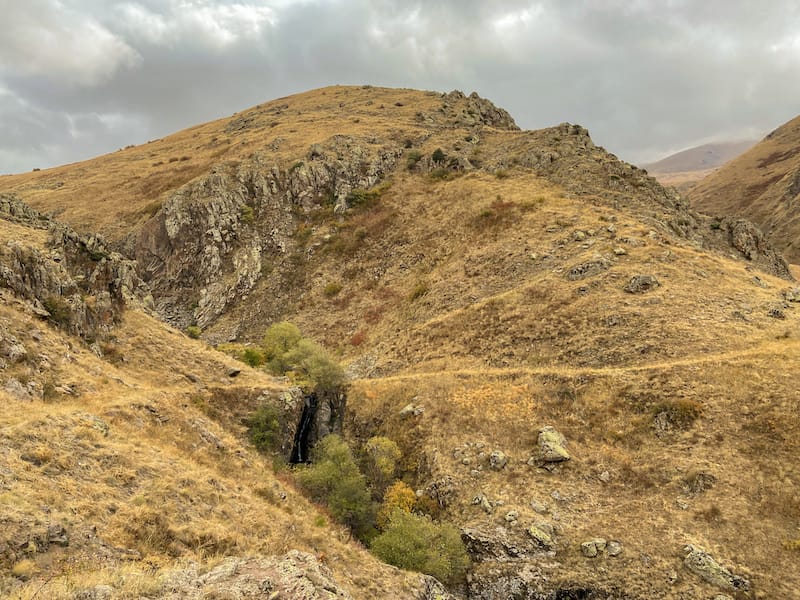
(767, 348)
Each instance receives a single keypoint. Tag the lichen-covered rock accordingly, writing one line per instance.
(542, 535)
(640, 284)
(700, 563)
(593, 548)
(484, 543)
(296, 575)
(497, 460)
(552, 445)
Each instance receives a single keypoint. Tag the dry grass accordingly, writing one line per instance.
(133, 471)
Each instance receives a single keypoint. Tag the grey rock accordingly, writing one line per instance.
(411, 410)
(16, 390)
(701, 564)
(292, 575)
(491, 544)
(588, 269)
(640, 284)
(792, 295)
(98, 592)
(552, 445)
(614, 548)
(539, 507)
(497, 460)
(593, 548)
(57, 535)
(511, 516)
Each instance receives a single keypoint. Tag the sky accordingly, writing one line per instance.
(79, 78)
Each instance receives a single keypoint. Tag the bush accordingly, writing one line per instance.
(380, 461)
(253, 357)
(416, 543)
(279, 339)
(438, 156)
(333, 478)
(398, 496)
(332, 288)
(285, 349)
(193, 331)
(59, 309)
(315, 365)
(263, 428)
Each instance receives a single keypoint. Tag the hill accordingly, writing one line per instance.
(482, 285)
(762, 185)
(684, 169)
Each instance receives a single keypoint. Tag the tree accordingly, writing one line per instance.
(279, 340)
(398, 496)
(416, 543)
(333, 478)
(380, 461)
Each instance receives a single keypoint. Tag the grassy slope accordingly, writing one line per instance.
(755, 185)
(456, 292)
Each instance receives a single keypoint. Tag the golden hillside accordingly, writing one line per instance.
(480, 283)
(762, 185)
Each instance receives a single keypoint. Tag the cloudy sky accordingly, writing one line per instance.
(84, 77)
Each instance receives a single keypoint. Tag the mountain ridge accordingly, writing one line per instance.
(483, 285)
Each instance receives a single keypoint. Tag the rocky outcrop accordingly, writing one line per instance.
(208, 246)
(296, 575)
(76, 281)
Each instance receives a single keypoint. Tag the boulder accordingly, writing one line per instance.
(542, 535)
(639, 284)
(700, 563)
(552, 446)
(593, 548)
(497, 460)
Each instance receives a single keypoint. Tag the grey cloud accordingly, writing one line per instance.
(645, 77)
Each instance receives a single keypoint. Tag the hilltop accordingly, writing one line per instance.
(482, 284)
(762, 185)
(685, 168)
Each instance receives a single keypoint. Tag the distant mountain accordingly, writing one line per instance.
(700, 158)
(762, 185)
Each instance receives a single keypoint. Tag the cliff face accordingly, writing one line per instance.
(74, 280)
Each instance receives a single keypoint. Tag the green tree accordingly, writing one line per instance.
(381, 455)
(334, 479)
(263, 428)
(416, 543)
(280, 339)
(315, 365)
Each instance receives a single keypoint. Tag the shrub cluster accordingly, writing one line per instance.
(286, 350)
(394, 530)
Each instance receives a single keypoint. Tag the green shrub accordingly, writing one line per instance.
(264, 427)
(279, 339)
(438, 156)
(59, 309)
(315, 365)
(332, 288)
(381, 456)
(333, 478)
(412, 159)
(416, 543)
(253, 357)
(419, 291)
(193, 331)
(246, 214)
(285, 349)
